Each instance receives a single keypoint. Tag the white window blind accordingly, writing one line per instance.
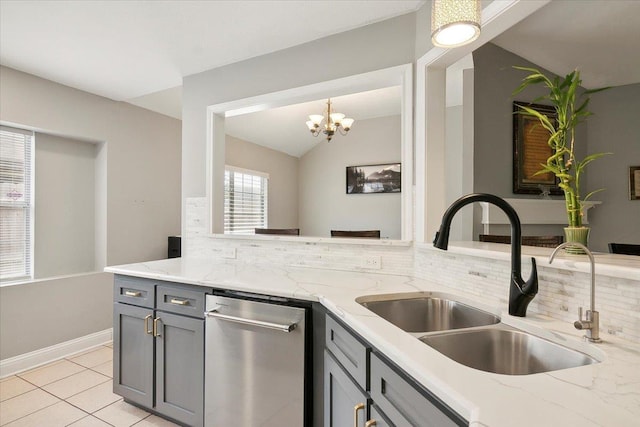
(16, 203)
(245, 200)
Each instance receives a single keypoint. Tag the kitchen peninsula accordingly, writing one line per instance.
(605, 393)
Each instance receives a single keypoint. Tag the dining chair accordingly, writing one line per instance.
(281, 231)
(371, 234)
(624, 248)
(541, 241)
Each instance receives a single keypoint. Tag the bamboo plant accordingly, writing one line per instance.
(563, 163)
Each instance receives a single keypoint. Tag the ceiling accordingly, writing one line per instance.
(601, 38)
(131, 50)
(139, 51)
(284, 128)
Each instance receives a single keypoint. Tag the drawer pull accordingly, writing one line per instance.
(156, 331)
(356, 409)
(179, 301)
(146, 324)
(133, 293)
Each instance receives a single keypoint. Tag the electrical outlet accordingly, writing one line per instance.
(229, 253)
(373, 262)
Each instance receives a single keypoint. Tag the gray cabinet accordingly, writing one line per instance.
(345, 404)
(159, 347)
(356, 374)
(133, 354)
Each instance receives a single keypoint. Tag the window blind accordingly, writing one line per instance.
(16, 203)
(245, 200)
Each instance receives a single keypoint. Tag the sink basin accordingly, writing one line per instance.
(426, 312)
(506, 351)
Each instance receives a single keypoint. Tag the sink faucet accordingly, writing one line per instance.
(591, 323)
(520, 292)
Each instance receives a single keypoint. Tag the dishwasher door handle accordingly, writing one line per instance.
(277, 326)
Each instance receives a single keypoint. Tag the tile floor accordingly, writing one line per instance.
(75, 391)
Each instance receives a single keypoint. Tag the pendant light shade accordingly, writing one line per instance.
(454, 22)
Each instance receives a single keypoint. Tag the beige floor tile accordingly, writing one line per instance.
(52, 372)
(94, 358)
(110, 345)
(95, 398)
(25, 404)
(60, 414)
(75, 384)
(121, 414)
(14, 386)
(155, 421)
(105, 369)
(89, 421)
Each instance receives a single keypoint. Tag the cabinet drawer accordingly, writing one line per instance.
(403, 404)
(134, 291)
(181, 299)
(348, 350)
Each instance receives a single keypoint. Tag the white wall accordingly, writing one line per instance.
(138, 206)
(324, 204)
(283, 178)
(374, 47)
(64, 238)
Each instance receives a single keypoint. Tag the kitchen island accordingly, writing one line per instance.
(601, 394)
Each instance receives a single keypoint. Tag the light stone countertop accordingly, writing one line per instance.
(602, 394)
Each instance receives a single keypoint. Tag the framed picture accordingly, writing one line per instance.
(634, 182)
(530, 149)
(367, 179)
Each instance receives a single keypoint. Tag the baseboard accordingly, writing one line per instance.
(23, 362)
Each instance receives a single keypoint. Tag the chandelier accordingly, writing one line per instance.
(332, 122)
(454, 22)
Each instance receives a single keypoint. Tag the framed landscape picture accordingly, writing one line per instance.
(530, 150)
(368, 179)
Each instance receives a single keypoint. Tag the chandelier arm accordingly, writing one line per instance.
(342, 131)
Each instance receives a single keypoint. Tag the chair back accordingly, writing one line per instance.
(370, 234)
(281, 231)
(624, 248)
(541, 241)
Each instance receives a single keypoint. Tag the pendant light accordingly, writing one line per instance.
(454, 22)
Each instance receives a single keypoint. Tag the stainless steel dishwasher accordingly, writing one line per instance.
(255, 363)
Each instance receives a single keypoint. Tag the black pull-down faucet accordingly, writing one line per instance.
(520, 292)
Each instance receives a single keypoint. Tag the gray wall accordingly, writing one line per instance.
(324, 204)
(283, 178)
(64, 238)
(47, 312)
(495, 80)
(377, 46)
(614, 127)
(137, 207)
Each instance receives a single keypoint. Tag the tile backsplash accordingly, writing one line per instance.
(561, 291)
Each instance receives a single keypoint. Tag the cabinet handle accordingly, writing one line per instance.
(156, 331)
(179, 301)
(371, 423)
(355, 413)
(133, 293)
(146, 324)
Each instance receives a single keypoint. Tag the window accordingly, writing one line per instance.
(16, 204)
(245, 200)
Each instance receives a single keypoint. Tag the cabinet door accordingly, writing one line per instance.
(341, 397)
(133, 354)
(376, 418)
(180, 368)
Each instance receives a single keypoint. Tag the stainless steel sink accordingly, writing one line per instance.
(506, 351)
(426, 312)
